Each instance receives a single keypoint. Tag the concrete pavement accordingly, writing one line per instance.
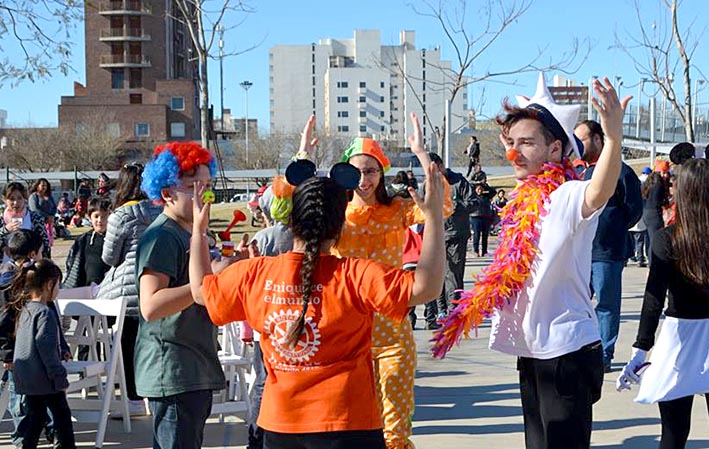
(471, 398)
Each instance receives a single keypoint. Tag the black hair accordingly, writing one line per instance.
(401, 178)
(594, 128)
(318, 215)
(128, 186)
(36, 184)
(21, 243)
(98, 205)
(435, 158)
(11, 187)
(29, 280)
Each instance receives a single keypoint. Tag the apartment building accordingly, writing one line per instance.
(359, 87)
(140, 82)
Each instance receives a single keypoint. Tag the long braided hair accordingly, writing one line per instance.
(318, 216)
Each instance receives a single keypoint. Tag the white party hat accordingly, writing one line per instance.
(559, 119)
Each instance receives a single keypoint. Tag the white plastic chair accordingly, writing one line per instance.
(101, 373)
(236, 364)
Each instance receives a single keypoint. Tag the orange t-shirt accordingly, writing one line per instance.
(325, 383)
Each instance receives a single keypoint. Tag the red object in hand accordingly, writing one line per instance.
(511, 155)
(225, 235)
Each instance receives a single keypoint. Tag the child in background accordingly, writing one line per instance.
(83, 263)
(176, 363)
(22, 247)
(38, 372)
(18, 216)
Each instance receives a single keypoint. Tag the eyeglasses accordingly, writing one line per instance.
(369, 172)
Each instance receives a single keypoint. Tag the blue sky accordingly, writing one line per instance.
(550, 25)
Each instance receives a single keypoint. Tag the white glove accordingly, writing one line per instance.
(629, 376)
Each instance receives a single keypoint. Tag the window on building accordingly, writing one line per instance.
(362, 113)
(381, 99)
(177, 103)
(363, 128)
(381, 113)
(117, 78)
(113, 129)
(343, 129)
(135, 78)
(343, 114)
(135, 98)
(362, 84)
(142, 129)
(381, 128)
(343, 84)
(177, 129)
(362, 99)
(381, 84)
(343, 100)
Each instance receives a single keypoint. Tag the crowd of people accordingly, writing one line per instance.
(343, 260)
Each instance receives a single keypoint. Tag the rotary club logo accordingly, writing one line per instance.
(277, 326)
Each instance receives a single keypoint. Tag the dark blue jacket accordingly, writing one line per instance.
(457, 226)
(623, 210)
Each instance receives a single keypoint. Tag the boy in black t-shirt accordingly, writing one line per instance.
(84, 264)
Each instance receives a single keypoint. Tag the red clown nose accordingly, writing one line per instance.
(511, 155)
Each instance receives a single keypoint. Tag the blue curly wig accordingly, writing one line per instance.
(169, 162)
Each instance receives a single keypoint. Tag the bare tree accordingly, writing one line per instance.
(471, 36)
(33, 149)
(40, 28)
(202, 24)
(662, 50)
(94, 143)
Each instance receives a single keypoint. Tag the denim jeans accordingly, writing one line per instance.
(18, 411)
(606, 282)
(481, 230)
(178, 421)
(255, 432)
(642, 246)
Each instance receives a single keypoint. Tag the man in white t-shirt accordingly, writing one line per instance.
(550, 325)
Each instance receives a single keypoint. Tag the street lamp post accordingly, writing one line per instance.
(695, 121)
(220, 30)
(640, 103)
(246, 85)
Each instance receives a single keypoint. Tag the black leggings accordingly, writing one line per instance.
(350, 439)
(676, 416)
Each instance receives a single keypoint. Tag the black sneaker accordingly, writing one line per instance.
(433, 326)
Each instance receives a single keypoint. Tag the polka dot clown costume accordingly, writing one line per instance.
(377, 231)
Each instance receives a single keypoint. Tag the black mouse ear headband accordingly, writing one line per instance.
(681, 153)
(343, 173)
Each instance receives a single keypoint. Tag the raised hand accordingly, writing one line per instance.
(609, 108)
(416, 142)
(433, 201)
(308, 141)
(200, 210)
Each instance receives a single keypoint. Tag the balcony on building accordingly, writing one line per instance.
(124, 7)
(125, 60)
(123, 34)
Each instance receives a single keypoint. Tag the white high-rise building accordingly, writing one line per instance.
(359, 87)
(3, 118)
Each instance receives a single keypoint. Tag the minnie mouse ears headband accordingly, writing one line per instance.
(343, 173)
(681, 153)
